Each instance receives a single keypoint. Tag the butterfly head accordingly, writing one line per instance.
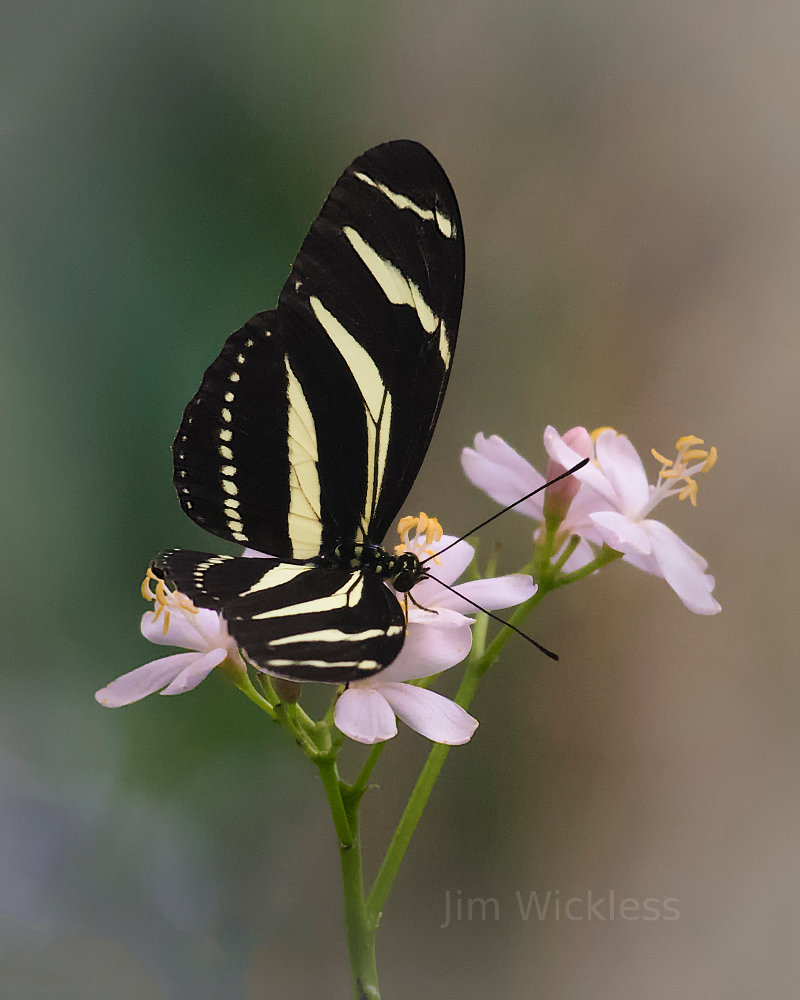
(407, 571)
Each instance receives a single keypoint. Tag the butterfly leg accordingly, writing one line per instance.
(416, 604)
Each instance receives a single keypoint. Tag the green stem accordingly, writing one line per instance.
(361, 928)
(603, 558)
(569, 548)
(286, 715)
(241, 680)
(360, 784)
(334, 788)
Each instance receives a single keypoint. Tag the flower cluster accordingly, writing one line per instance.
(611, 506)
(606, 505)
(437, 637)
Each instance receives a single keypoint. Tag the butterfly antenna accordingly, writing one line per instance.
(498, 513)
(497, 618)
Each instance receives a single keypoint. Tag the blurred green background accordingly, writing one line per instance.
(628, 179)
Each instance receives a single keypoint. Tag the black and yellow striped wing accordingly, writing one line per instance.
(309, 428)
(294, 620)
(311, 425)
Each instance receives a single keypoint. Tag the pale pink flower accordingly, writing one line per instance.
(613, 503)
(174, 622)
(501, 472)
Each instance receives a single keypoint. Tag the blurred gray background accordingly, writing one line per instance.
(628, 179)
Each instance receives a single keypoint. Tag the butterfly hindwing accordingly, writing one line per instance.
(246, 446)
(295, 620)
(312, 423)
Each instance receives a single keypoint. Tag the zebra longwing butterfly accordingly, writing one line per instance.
(309, 429)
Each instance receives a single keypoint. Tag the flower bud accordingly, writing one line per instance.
(288, 691)
(559, 496)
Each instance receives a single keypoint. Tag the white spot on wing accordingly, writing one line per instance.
(446, 226)
(444, 346)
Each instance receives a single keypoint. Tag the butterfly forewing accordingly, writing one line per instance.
(312, 424)
(381, 274)
(299, 621)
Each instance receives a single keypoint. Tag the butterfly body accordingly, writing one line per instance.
(310, 426)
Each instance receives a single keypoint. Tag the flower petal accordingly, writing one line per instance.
(578, 520)
(620, 533)
(145, 680)
(197, 671)
(363, 714)
(429, 649)
(430, 714)
(200, 631)
(581, 557)
(448, 567)
(623, 468)
(682, 568)
(590, 475)
(503, 474)
(499, 592)
(436, 614)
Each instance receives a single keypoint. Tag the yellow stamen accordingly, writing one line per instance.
(595, 434)
(678, 469)
(405, 524)
(423, 525)
(165, 600)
